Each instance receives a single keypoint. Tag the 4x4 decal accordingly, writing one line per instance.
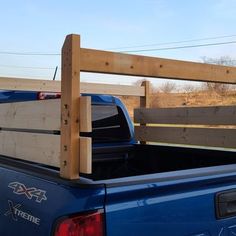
(21, 189)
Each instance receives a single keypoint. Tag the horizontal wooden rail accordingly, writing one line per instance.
(135, 65)
(112, 89)
(42, 148)
(216, 115)
(22, 84)
(32, 115)
(225, 138)
(34, 147)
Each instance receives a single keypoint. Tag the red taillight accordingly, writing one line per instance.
(43, 95)
(84, 225)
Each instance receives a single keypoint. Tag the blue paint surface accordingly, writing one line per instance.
(178, 208)
(61, 200)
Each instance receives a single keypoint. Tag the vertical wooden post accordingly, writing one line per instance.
(70, 92)
(145, 101)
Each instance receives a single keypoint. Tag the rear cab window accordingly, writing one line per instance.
(109, 124)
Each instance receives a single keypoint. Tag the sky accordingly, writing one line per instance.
(41, 26)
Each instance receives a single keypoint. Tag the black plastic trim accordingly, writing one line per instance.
(210, 172)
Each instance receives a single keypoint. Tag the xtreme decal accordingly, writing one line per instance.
(15, 211)
(21, 189)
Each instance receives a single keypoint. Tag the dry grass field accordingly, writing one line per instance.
(196, 98)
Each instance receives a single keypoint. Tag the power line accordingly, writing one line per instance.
(181, 47)
(28, 67)
(141, 50)
(29, 53)
(175, 42)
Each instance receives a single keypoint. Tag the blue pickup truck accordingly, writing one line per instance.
(134, 189)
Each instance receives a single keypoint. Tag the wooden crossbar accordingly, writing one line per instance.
(135, 65)
(22, 84)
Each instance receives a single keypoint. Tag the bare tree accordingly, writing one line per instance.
(189, 88)
(224, 60)
(219, 88)
(167, 87)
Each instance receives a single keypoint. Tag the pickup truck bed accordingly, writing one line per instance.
(181, 201)
(137, 159)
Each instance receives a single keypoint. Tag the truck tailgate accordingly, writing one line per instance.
(30, 204)
(174, 203)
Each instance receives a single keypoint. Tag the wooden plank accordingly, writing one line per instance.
(39, 148)
(41, 115)
(42, 148)
(70, 86)
(85, 114)
(85, 155)
(22, 84)
(217, 115)
(225, 138)
(134, 65)
(112, 89)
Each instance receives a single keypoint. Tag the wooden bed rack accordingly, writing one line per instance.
(48, 131)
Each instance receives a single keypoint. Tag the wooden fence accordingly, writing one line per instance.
(48, 131)
(200, 126)
(32, 130)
